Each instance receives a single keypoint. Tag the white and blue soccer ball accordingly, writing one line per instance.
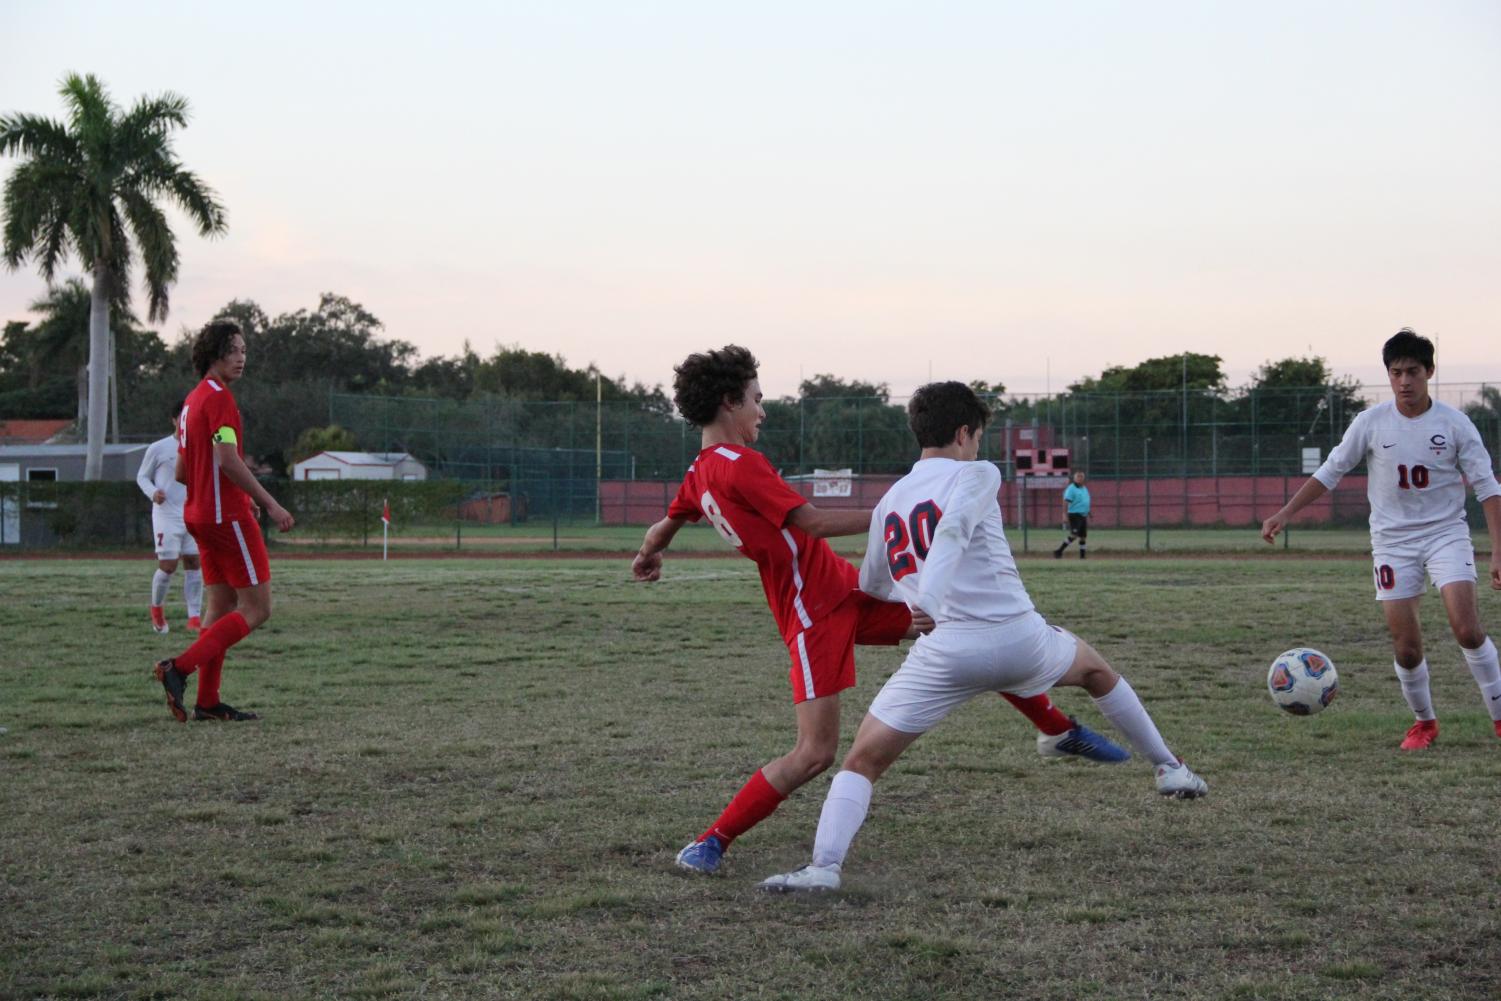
(1303, 681)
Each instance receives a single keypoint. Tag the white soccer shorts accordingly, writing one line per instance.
(1399, 570)
(960, 660)
(171, 538)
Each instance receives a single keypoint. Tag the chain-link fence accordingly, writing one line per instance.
(1112, 435)
(1154, 459)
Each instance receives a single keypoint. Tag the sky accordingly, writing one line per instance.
(1018, 192)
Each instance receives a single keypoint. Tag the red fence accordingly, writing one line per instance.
(1166, 502)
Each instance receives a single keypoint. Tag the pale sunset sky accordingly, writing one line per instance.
(1015, 192)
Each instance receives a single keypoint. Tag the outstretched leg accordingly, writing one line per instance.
(1463, 608)
(1118, 703)
(817, 740)
(876, 748)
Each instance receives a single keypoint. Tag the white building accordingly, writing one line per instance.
(359, 466)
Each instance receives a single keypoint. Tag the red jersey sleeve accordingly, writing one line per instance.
(685, 505)
(761, 488)
(219, 412)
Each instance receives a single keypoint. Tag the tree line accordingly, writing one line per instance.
(299, 358)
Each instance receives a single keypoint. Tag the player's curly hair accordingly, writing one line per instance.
(704, 381)
(213, 342)
(938, 410)
(1406, 343)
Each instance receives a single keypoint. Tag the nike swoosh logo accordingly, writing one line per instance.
(1495, 697)
(1389, 446)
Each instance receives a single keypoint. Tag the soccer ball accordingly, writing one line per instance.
(1303, 681)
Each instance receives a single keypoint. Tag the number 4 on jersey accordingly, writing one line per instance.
(908, 540)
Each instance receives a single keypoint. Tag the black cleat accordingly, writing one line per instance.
(223, 713)
(173, 681)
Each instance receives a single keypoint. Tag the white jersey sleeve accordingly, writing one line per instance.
(159, 472)
(875, 578)
(973, 496)
(146, 475)
(1348, 453)
(1475, 461)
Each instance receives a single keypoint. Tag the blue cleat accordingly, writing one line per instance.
(702, 856)
(1081, 742)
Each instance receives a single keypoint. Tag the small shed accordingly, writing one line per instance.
(64, 463)
(359, 466)
(38, 521)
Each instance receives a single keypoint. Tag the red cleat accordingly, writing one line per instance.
(195, 624)
(1421, 735)
(159, 619)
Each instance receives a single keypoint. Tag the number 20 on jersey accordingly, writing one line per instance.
(908, 539)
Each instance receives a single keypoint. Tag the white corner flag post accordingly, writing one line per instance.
(385, 528)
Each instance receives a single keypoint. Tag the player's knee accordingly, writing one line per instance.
(1470, 635)
(1407, 653)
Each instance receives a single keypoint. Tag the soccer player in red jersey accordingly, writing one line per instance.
(221, 515)
(812, 592)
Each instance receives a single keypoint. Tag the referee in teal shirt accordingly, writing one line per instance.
(1076, 497)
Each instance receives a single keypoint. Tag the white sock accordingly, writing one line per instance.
(192, 592)
(1486, 670)
(1415, 689)
(1126, 713)
(843, 813)
(159, 585)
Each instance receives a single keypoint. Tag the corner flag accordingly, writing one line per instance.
(385, 528)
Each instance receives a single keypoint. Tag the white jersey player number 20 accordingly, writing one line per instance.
(716, 517)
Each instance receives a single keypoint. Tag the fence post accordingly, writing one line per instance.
(1022, 493)
(1146, 479)
(1287, 530)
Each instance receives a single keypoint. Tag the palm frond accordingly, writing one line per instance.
(36, 196)
(155, 115)
(36, 136)
(153, 235)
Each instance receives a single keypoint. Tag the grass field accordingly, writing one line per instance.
(471, 778)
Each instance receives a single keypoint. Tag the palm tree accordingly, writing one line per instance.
(88, 186)
(63, 334)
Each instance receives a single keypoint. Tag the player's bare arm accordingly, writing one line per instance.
(240, 475)
(1492, 508)
(647, 565)
(1306, 495)
(822, 524)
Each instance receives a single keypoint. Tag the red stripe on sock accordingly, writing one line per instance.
(212, 643)
(208, 682)
(1041, 711)
(755, 801)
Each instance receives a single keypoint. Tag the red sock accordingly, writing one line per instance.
(212, 643)
(752, 804)
(1041, 711)
(208, 682)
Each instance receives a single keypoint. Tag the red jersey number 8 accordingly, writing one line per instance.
(716, 517)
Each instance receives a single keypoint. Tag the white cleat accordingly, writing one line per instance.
(1179, 782)
(808, 879)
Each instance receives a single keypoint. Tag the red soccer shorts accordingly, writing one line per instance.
(232, 553)
(823, 655)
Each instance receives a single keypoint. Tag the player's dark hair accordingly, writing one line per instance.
(704, 381)
(1407, 344)
(938, 410)
(213, 342)
(182, 401)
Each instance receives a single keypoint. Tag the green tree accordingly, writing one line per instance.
(92, 186)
